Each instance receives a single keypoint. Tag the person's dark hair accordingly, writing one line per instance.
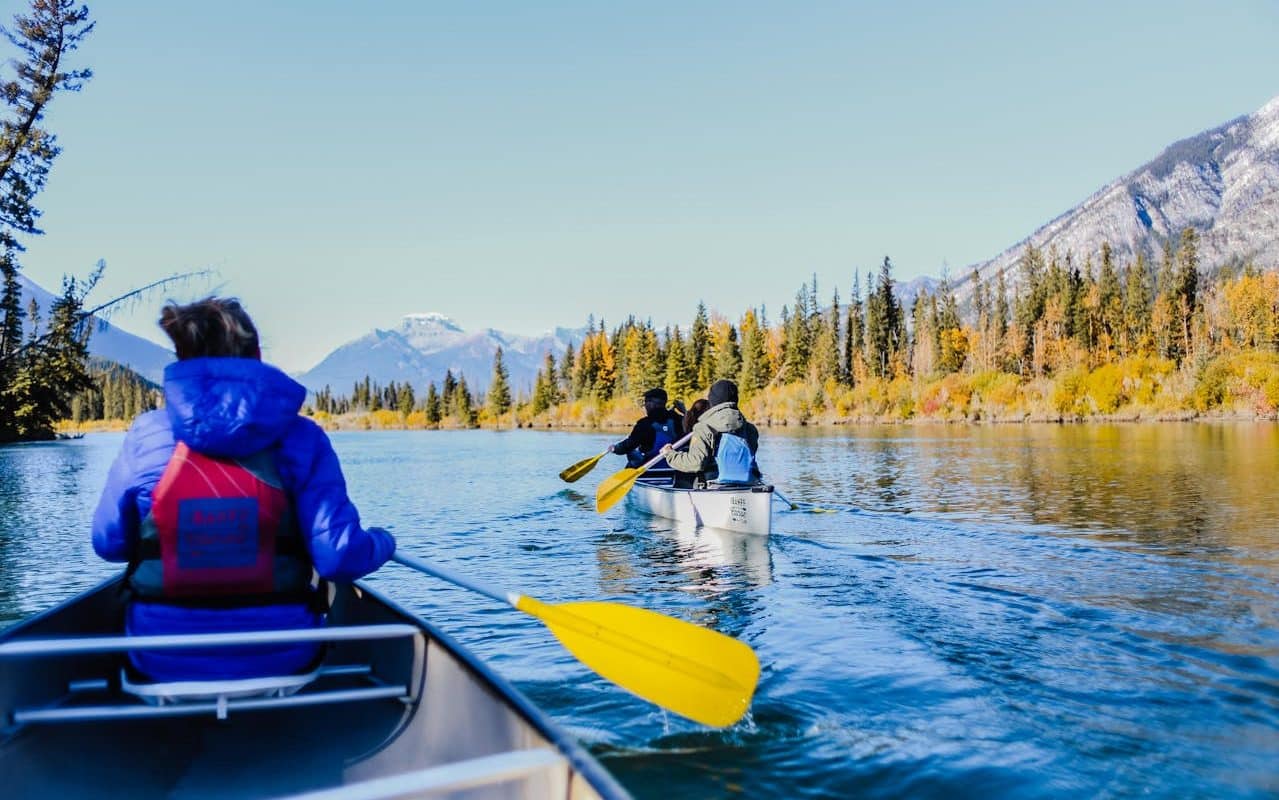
(695, 412)
(722, 392)
(214, 326)
(655, 394)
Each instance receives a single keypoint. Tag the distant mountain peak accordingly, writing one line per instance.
(432, 319)
(425, 345)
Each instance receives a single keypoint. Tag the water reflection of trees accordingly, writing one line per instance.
(1176, 485)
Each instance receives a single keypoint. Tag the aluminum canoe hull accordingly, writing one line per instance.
(457, 725)
(747, 509)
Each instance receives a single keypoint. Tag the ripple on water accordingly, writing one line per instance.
(1021, 611)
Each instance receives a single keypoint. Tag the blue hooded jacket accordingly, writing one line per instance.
(231, 408)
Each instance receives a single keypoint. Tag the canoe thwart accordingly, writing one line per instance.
(118, 644)
(220, 706)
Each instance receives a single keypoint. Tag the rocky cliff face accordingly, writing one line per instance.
(1223, 182)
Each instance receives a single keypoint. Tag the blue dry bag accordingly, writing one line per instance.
(733, 457)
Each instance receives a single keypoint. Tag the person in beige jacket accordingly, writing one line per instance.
(723, 445)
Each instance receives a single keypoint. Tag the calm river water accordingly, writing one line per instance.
(1010, 611)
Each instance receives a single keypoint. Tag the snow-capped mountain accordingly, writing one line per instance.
(424, 346)
(107, 341)
(1224, 183)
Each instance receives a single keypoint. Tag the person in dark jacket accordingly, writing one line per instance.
(227, 505)
(723, 446)
(660, 426)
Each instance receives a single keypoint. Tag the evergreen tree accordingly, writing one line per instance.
(434, 413)
(829, 360)
(1187, 293)
(728, 355)
(754, 373)
(1136, 306)
(405, 399)
(679, 372)
(652, 369)
(1163, 317)
(950, 341)
(462, 404)
(1030, 303)
(797, 349)
(1110, 298)
(52, 368)
(567, 368)
(1075, 290)
(44, 37)
(855, 334)
(447, 389)
(499, 394)
(885, 323)
(1000, 320)
(699, 344)
(546, 386)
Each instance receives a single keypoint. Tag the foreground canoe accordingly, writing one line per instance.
(397, 709)
(742, 509)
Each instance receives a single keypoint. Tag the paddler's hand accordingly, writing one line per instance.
(666, 448)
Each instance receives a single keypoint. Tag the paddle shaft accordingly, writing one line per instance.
(784, 499)
(453, 578)
(660, 455)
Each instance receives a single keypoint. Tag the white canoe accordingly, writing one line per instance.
(397, 710)
(743, 509)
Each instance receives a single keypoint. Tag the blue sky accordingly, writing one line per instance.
(520, 165)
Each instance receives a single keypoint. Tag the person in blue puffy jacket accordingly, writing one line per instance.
(228, 506)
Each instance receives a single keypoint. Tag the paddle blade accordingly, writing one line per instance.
(693, 671)
(615, 487)
(581, 468)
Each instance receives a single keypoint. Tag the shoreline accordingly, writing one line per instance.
(356, 423)
(366, 421)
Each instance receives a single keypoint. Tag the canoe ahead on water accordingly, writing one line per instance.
(396, 709)
(743, 509)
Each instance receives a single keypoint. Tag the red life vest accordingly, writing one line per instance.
(220, 532)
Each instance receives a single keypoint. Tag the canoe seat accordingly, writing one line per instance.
(172, 692)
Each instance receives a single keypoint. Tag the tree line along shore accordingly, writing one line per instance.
(1073, 340)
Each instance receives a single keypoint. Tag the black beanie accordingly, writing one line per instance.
(655, 394)
(722, 392)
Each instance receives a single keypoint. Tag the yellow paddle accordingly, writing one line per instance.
(615, 486)
(582, 467)
(696, 672)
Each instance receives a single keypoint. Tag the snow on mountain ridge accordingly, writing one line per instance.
(1223, 182)
(424, 346)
